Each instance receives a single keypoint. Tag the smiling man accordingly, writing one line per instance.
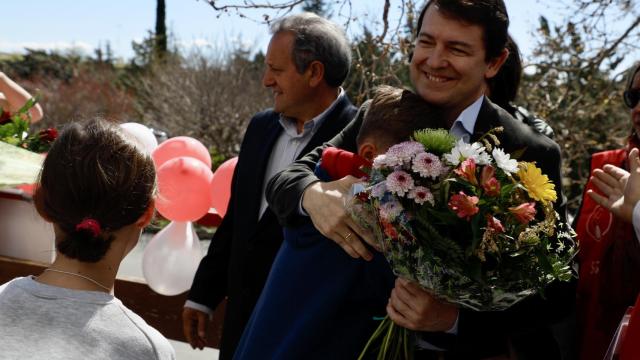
(460, 44)
(307, 60)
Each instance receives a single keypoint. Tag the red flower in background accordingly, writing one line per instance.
(464, 205)
(524, 212)
(467, 171)
(5, 117)
(48, 135)
(489, 183)
(494, 224)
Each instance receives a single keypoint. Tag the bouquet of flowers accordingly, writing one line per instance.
(14, 129)
(466, 221)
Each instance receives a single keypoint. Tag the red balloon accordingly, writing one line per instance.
(184, 185)
(180, 146)
(221, 185)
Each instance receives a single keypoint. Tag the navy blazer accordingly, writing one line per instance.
(318, 302)
(244, 245)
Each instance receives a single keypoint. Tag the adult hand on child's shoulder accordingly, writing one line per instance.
(325, 204)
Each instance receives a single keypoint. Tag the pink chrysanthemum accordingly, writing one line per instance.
(399, 182)
(379, 161)
(402, 153)
(420, 195)
(378, 190)
(389, 211)
(427, 165)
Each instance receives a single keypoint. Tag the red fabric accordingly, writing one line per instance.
(609, 263)
(339, 163)
(210, 219)
(630, 349)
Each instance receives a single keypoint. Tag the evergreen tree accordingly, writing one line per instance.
(161, 30)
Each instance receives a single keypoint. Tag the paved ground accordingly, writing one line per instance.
(185, 352)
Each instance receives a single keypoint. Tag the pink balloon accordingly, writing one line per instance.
(180, 146)
(221, 185)
(184, 185)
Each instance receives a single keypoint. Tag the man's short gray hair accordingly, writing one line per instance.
(317, 39)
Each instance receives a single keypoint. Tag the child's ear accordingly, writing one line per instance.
(368, 151)
(146, 217)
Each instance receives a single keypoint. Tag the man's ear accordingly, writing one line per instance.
(147, 216)
(316, 73)
(496, 63)
(368, 151)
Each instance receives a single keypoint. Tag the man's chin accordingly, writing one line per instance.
(436, 98)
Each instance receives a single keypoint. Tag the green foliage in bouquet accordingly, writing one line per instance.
(14, 130)
(436, 141)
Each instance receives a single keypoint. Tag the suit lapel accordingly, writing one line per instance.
(260, 160)
(334, 122)
(487, 120)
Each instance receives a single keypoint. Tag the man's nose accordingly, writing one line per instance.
(267, 79)
(437, 58)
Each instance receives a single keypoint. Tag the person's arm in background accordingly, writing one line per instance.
(13, 97)
(621, 190)
(209, 286)
(324, 202)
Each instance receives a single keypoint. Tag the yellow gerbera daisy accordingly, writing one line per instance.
(538, 185)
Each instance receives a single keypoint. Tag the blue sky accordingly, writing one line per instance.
(63, 24)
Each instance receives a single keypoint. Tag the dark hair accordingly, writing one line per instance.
(633, 137)
(490, 15)
(503, 87)
(632, 75)
(317, 39)
(394, 114)
(96, 171)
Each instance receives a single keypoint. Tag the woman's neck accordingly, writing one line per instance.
(77, 275)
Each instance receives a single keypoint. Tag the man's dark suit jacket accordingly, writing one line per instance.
(244, 246)
(525, 328)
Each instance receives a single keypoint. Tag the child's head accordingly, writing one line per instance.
(96, 179)
(392, 117)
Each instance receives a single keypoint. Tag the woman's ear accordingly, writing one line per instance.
(147, 216)
(37, 202)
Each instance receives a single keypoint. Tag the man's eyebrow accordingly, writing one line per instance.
(424, 35)
(460, 44)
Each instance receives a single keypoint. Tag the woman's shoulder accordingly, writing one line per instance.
(11, 284)
(161, 346)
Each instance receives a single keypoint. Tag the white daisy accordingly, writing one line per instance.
(504, 161)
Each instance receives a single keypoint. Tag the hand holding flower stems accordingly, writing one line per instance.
(13, 97)
(414, 308)
(621, 189)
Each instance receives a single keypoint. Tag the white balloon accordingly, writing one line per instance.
(171, 258)
(143, 134)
